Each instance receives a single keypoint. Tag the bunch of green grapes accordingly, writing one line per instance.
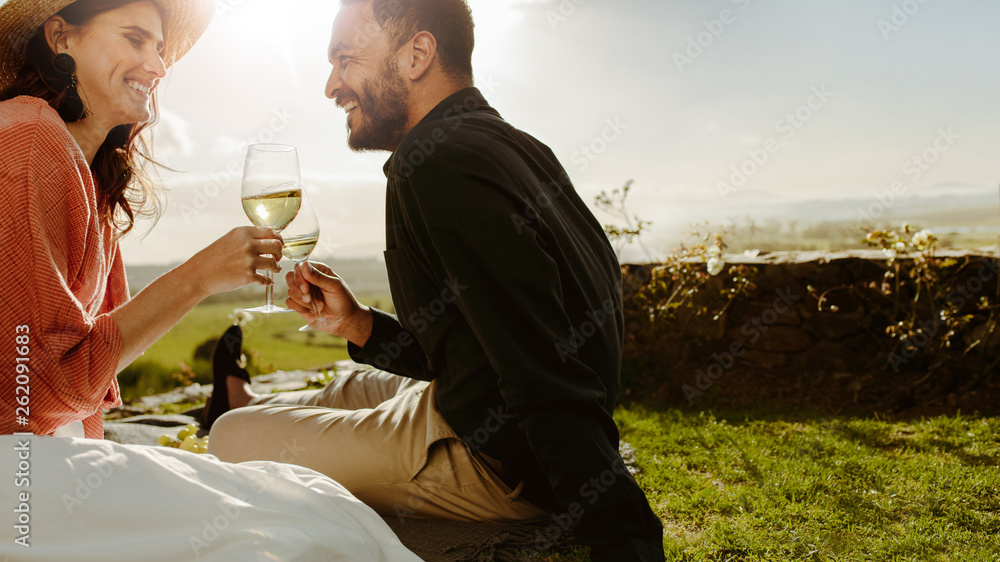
(187, 440)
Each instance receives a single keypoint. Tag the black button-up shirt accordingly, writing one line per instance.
(508, 294)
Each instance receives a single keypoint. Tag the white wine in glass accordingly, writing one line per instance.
(301, 238)
(272, 195)
(274, 210)
(298, 248)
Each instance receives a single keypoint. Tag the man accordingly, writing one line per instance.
(508, 297)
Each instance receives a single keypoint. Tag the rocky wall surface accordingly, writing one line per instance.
(816, 314)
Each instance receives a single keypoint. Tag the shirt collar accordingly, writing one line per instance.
(461, 102)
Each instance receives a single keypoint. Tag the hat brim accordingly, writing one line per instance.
(185, 22)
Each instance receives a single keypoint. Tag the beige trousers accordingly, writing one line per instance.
(382, 437)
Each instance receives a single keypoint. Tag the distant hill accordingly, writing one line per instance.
(934, 206)
(365, 277)
(963, 217)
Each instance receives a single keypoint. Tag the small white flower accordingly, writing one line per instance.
(714, 251)
(715, 265)
(900, 246)
(922, 238)
(240, 317)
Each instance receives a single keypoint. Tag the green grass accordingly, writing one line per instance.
(764, 488)
(273, 341)
(732, 488)
(750, 486)
(274, 337)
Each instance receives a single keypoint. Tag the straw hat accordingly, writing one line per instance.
(185, 21)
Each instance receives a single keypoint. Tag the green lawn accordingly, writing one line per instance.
(732, 488)
(272, 339)
(763, 487)
(755, 486)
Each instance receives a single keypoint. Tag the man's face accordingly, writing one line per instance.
(365, 81)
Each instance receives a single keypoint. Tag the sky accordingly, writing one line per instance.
(710, 106)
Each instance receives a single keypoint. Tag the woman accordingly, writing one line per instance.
(77, 84)
(70, 187)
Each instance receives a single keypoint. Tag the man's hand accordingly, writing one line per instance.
(316, 292)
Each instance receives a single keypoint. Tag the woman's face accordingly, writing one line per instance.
(118, 63)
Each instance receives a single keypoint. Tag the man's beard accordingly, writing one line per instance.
(384, 114)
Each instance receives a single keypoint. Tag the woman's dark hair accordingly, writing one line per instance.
(124, 190)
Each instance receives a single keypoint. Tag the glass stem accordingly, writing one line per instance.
(270, 289)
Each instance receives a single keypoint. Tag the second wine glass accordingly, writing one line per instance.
(301, 238)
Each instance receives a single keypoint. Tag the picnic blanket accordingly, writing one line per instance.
(431, 540)
(96, 500)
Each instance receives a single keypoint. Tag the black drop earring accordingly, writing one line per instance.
(72, 108)
(66, 66)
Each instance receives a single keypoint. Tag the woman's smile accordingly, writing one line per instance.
(139, 87)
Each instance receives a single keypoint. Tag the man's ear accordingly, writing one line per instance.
(420, 53)
(56, 34)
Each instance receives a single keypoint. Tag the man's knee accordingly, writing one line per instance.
(228, 436)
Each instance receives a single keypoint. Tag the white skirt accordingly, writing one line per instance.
(77, 499)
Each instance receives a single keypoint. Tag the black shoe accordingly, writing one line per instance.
(226, 360)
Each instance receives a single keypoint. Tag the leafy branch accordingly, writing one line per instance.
(614, 204)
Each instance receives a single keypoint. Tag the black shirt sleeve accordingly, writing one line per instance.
(460, 208)
(389, 347)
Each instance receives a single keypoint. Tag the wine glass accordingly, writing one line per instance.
(272, 194)
(301, 237)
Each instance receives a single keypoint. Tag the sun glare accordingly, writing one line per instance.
(495, 19)
(266, 30)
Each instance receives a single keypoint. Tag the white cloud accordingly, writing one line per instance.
(608, 60)
(172, 139)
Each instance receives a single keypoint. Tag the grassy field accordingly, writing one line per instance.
(272, 340)
(751, 487)
(732, 488)
(767, 486)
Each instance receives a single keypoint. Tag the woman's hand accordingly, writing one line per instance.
(232, 261)
(229, 263)
(316, 292)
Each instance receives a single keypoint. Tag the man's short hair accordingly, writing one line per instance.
(449, 21)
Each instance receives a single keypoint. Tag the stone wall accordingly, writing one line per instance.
(811, 316)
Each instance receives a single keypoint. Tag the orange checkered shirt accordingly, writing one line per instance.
(61, 277)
